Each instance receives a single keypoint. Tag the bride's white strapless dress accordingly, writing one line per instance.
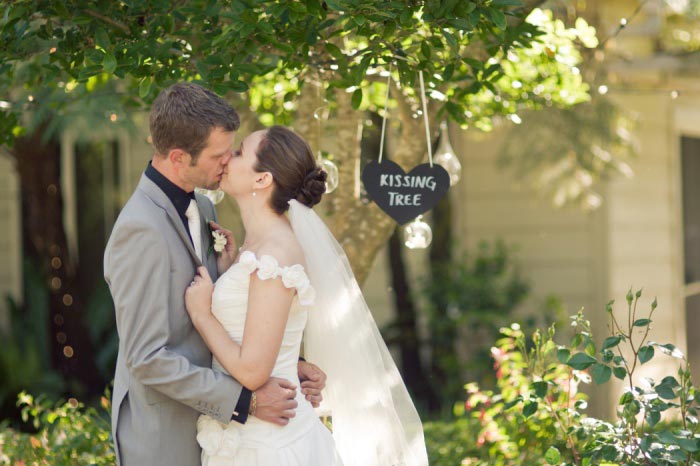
(305, 441)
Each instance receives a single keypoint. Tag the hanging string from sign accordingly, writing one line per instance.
(425, 116)
(386, 112)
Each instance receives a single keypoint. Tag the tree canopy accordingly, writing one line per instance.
(98, 59)
(479, 58)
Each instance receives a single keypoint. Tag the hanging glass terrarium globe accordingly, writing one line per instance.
(214, 195)
(332, 171)
(445, 156)
(417, 234)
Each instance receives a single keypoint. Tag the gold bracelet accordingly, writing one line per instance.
(253, 404)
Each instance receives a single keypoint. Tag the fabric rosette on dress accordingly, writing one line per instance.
(219, 442)
(292, 277)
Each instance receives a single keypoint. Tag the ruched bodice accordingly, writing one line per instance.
(257, 442)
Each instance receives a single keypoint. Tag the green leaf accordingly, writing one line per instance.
(540, 388)
(109, 63)
(168, 23)
(580, 361)
(334, 5)
(498, 18)
(620, 372)
(426, 50)
(611, 342)
(563, 355)
(530, 409)
(102, 39)
(506, 3)
(666, 392)
(645, 353)
(356, 99)
(626, 398)
(451, 41)
(552, 456)
(601, 373)
(653, 418)
(641, 322)
(688, 444)
(607, 356)
(448, 72)
(145, 87)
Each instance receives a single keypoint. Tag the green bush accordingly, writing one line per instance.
(67, 434)
(537, 415)
(470, 298)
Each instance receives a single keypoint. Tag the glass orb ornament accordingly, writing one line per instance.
(214, 195)
(417, 234)
(332, 172)
(446, 158)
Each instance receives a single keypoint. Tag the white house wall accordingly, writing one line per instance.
(556, 248)
(645, 224)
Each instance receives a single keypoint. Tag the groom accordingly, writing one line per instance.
(163, 377)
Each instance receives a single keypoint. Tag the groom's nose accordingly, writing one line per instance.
(226, 158)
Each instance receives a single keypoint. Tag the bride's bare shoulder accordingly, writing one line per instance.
(284, 247)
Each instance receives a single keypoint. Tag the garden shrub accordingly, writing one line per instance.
(66, 434)
(537, 415)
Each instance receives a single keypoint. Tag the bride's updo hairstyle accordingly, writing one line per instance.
(295, 174)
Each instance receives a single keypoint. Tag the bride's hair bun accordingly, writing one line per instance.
(295, 174)
(313, 187)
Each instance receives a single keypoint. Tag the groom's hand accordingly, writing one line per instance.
(313, 380)
(276, 401)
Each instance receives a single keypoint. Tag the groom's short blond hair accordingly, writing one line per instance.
(184, 114)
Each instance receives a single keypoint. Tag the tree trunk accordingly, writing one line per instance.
(407, 328)
(71, 350)
(443, 333)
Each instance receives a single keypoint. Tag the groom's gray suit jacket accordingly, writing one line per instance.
(163, 378)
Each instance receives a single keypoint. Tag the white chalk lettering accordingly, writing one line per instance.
(397, 199)
(408, 181)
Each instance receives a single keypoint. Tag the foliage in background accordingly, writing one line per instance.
(24, 359)
(537, 416)
(66, 434)
(65, 53)
(566, 154)
(477, 293)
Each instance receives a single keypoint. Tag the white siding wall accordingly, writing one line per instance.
(10, 237)
(557, 248)
(645, 226)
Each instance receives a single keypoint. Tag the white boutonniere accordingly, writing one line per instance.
(219, 241)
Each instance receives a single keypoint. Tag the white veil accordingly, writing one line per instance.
(374, 420)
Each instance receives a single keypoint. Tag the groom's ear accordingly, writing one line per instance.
(178, 157)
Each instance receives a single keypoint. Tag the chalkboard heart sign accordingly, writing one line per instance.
(404, 196)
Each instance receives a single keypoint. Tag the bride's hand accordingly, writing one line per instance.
(198, 296)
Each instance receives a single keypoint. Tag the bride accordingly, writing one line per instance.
(292, 279)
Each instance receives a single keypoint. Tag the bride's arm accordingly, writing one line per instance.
(251, 362)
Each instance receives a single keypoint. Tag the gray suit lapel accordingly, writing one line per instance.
(161, 200)
(208, 253)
